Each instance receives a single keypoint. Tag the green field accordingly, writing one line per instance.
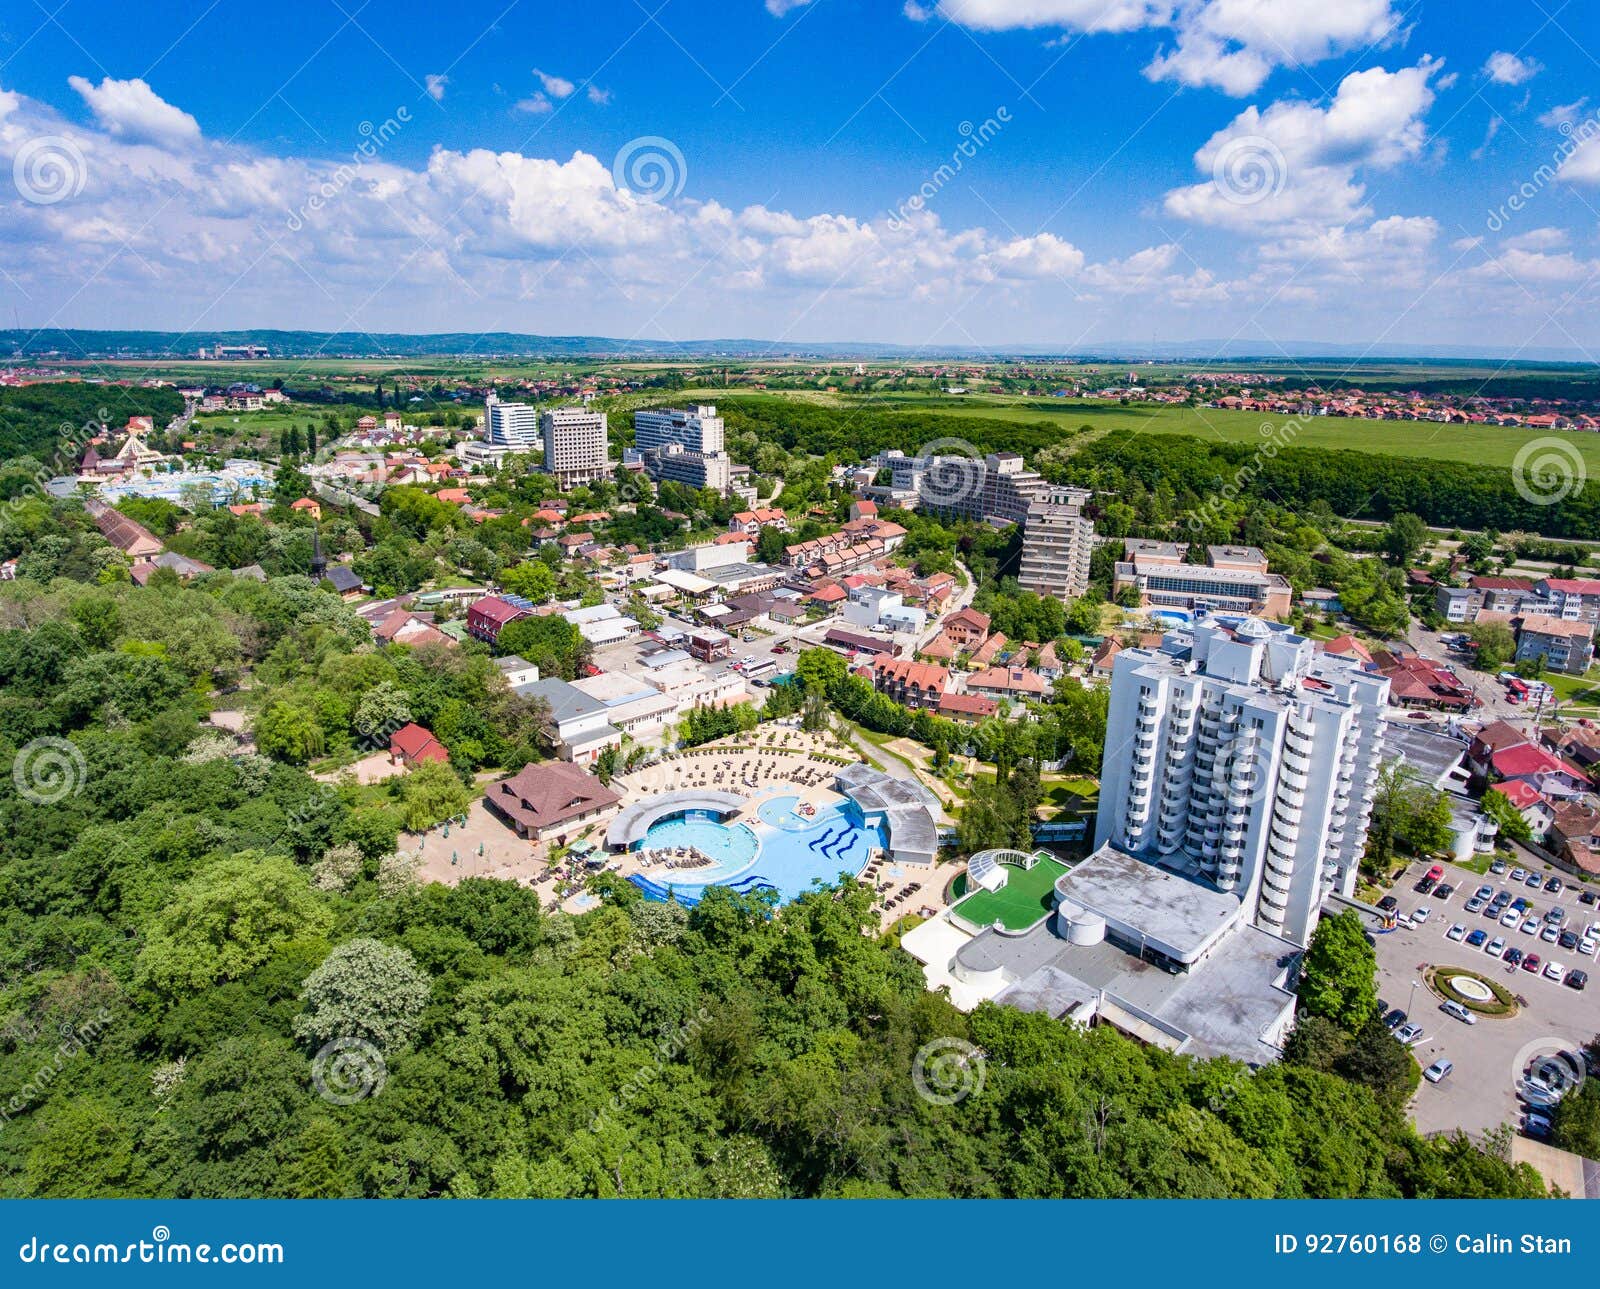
(1477, 444)
(1027, 896)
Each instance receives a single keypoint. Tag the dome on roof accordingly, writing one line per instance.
(1252, 629)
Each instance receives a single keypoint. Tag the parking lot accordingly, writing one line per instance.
(1480, 1093)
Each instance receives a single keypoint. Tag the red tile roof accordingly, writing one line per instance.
(412, 742)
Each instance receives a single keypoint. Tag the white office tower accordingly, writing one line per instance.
(1240, 755)
(574, 445)
(510, 425)
(696, 429)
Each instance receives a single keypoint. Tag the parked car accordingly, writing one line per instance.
(1532, 963)
(1536, 1125)
(1484, 893)
(1476, 939)
(1531, 926)
(1388, 904)
(1511, 918)
(1456, 932)
(1577, 978)
(1436, 872)
(1410, 1033)
(1554, 885)
(1394, 1019)
(1587, 946)
(1497, 866)
(1496, 947)
(1475, 905)
(1424, 885)
(1453, 1008)
(1514, 955)
(1439, 1070)
(1420, 914)
(1556, 916)
(1550, 935)
(1444, 891)
(1568, 940)
(1533, 880)
(1519, 874)
(1554, 971)
(1588, 897)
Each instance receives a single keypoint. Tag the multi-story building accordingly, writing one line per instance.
(1575, 599)
(1057, 543)
(1240, 756)
(1000, 487)
(574, 445)
(679, 464)
(1565, 644)
(510, 425)
(699, 429)
(1234, 579)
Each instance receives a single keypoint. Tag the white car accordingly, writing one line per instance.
(1421, 914)
(1511, 918)
(1496, 947)
(1550, 934)
(1588, 945)
(1519, 874)
(1554, 971)
(1531, 926)
(1410, 1034)
(1457, 932)
(1439, 1069)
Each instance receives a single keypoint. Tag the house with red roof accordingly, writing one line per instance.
(967, 708)
(967, 629)
(915, 684)
(1007, 682)
(989, 649)
(307, 506)
(413, 744)
(1547, 773)
(1536, 810)
(488, 616)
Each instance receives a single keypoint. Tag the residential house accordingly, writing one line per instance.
(413, 744)
(914, 684)
(1565, 644)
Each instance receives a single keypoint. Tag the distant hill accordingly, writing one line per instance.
(69, 343)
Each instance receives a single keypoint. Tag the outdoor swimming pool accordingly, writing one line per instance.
(785, 850)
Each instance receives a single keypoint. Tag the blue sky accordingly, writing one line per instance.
(972, 172)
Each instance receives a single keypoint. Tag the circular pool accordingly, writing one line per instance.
(1468, 987)
(731, 846)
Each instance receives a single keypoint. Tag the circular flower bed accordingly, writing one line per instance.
(1477, 993)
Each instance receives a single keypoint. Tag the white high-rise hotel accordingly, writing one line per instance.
(697, 429)
(574, 445)
(1239, 754)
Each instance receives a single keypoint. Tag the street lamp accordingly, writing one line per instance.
(1412, 1001)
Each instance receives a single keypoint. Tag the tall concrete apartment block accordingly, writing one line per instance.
(574, 445)
(510, 425)
(695, 429)
(1239, 755)
(1057, 543)
(999, 487)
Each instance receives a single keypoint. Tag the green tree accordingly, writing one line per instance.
(1338, 975)
(227, 919)
(364, 989)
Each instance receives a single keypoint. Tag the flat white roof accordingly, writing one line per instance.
(689, 583)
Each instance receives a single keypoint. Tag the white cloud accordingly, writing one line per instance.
(1537, 239)
(1524, 270)
(1507, 69)
(1583, 164)
(536, 104)
(781, 8)
(133, 111)
(555, 86)
(1295, 164)
(1563, 114)
(436, 81)
(1232, 45)
(597, 96)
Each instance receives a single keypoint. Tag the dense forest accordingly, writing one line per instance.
(51, 424)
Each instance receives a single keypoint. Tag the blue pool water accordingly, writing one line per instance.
(785, 851)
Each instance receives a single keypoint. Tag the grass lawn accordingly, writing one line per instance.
(1583, 689)
(1476, 444)
(1025, 898)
